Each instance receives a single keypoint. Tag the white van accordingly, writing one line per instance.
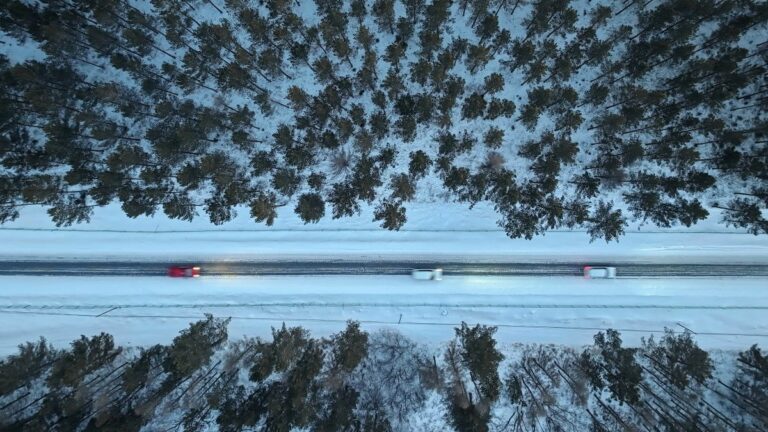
(599, 272)
(427, 274)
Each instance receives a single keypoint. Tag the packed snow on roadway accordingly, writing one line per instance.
(561, 310)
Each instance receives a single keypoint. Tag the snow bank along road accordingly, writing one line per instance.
(724, 313)
(381, 245)
(253, 268)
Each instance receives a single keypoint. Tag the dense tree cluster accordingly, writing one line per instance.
(580, 115)
(381, 381)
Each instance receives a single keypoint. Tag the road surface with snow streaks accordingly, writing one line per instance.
(295, 268)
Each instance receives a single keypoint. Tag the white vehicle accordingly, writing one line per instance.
(427, 274)
(599, 272)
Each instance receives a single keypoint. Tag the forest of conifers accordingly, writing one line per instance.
(381, 381)
(561, 115)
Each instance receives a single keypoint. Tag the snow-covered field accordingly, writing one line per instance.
(723, 313)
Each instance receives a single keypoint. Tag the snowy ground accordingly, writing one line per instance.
(423, 215)
(373, 245)
(436, 230)
(547, 310)
(728, 314)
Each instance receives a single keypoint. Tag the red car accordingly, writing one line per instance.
(184, 271)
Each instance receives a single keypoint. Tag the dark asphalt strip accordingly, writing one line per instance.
(325, 268)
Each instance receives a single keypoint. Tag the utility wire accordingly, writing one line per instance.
(394, 304)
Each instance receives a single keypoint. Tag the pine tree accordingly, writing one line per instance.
(358, 10)
(391, 213)
(394, 53)
(419, 164)
(32, 360)
(414, 9)
(610, 365)
(86, 356)
(219, 210)
(402, 187)
(404, 31)
(393, 84)
(343, 198)
(522, 53)
(379, 123)
(350, 347)
(310, 207)
(596, 95)
(744, 213)
(473, 107)
(605, 222)
(384, 14)
(264, 208)
(477, 57)
(341, 412)
(493, 83)
(481, 358)
(487, 27)
(316, 180)
(430, 41)
(180, 206)
(436, 14)
(493, 137)
(286, 181)
(499, 108)
(679, 358)
(70, 209)
(751, 380)
(366, 76)
(366, 178)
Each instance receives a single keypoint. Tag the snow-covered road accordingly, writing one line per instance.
(321, 267)
(724, 313)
